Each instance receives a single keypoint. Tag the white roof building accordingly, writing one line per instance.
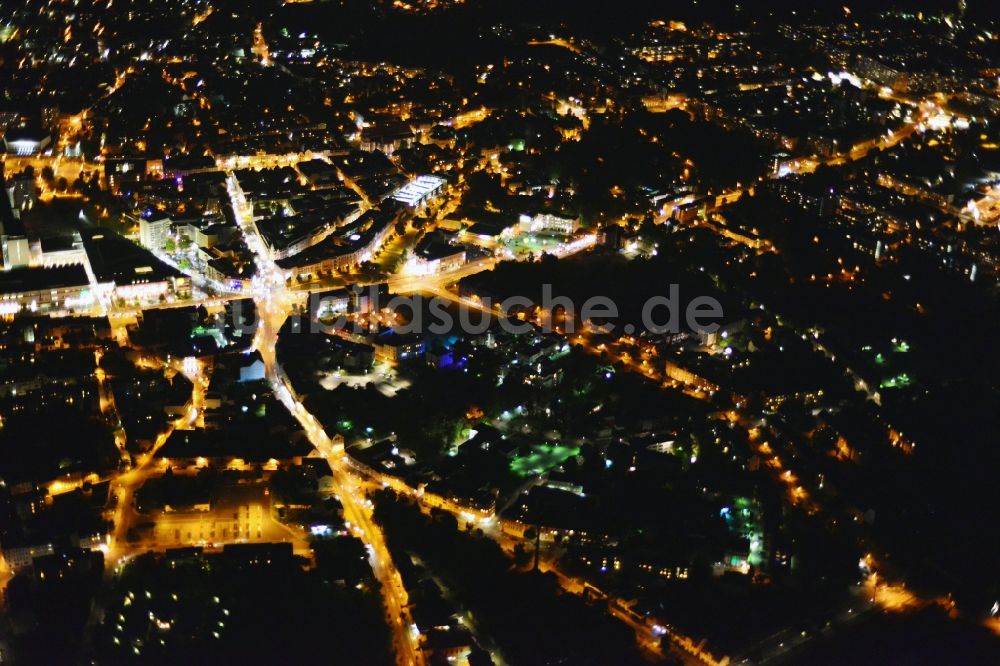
(419, 191)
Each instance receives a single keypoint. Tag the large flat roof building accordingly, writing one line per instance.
(44, 289)
(418, 192)
(26, 141)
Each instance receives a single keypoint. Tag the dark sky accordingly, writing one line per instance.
(614, 11)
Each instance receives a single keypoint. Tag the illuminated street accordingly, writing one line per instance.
(274, 302)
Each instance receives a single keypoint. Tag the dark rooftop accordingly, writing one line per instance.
(20, 280)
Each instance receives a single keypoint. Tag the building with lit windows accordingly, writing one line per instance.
(124, 271)
(26, 141)
(550, 223)
(419, 192)
(122, 173)
(154, 231)
(44, 290)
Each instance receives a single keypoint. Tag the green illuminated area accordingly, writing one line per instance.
(542, 458)
(744, 518)
(899, 381)
(534, 244)
(886, 361)
(209, 332)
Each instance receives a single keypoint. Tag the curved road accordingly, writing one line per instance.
(275, 303)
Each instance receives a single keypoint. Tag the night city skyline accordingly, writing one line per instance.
(486, 332)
